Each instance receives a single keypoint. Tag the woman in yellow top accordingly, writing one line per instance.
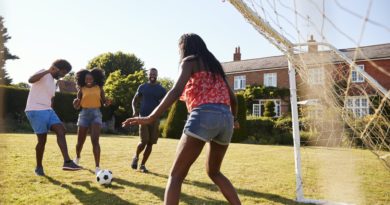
(90, 97)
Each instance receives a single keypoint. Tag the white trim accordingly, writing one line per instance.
(359, 77)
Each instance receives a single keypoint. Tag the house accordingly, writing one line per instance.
(273, 71)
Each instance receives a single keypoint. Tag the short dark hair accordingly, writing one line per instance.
(150, 69)
(62, 65)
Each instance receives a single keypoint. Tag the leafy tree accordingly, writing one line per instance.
(4, 54)
(121, 90)
(126, 63)
(70, 77)
(22, 85)
(167, 83)
(269, 108)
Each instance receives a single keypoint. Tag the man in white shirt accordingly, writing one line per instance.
(41, 115)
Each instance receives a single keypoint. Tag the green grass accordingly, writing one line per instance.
(261, 174)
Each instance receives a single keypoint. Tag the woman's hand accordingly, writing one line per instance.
(137, 121)
(236, 125)
(76, 103)
(107, 102)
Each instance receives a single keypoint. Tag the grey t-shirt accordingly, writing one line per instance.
(151, 95)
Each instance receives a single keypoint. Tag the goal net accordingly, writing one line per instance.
(340, 98)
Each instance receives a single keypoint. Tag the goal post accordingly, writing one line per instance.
(363, 108)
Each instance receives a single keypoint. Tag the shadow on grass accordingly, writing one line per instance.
(95, 197)
(245, 192)
(159, 192)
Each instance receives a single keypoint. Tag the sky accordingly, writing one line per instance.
(45, 30)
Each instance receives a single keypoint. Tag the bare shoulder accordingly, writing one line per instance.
(189, 62)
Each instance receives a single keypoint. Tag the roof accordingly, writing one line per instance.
(280, 62)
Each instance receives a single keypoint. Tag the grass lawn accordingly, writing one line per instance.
(261, 174)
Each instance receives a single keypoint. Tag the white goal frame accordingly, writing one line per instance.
(287, 48)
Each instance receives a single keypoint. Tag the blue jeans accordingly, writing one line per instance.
(210, 122)
(42, 120)
(89, 116)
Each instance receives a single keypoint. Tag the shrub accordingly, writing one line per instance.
(269, 109)
(175, 121)
(240, 134)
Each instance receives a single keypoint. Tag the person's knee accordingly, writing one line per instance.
(95, 142)
(213, 173)
(177, 177)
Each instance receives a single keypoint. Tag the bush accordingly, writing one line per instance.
(175, 121)
(240, 134)
(269, 109)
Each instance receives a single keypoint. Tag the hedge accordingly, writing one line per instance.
(14, 101)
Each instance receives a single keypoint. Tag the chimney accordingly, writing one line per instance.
(237, 54)
(313, 47)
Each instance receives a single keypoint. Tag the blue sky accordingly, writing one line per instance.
(45, 30)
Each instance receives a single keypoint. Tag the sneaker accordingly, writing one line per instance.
(134, 163)
(143, 169)
(70, 166)
(97, 170)
(76, 160)
(39, 171)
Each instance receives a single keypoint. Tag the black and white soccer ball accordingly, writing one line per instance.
(104, 177)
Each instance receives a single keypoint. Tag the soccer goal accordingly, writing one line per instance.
(339, 97)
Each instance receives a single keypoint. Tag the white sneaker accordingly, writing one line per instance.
(97, 170)
(76, 160)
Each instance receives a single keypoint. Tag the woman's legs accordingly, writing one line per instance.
(81, 136)
(215, 155)
(95, 134)
(187, 152)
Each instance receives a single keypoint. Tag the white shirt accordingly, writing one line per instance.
(41, 92)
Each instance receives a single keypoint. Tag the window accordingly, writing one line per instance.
(239, 82)
(258, 109)
(358, 106)
(270, 80)
(316, 76)
(356, 76)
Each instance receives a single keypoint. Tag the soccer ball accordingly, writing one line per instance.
(104, 177)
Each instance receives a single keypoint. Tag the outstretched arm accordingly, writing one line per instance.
(38, 76)
(168, 100)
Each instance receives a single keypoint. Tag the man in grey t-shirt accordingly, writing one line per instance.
(149, 95)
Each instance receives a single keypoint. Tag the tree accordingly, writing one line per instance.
(167, 83)
(22, 85)
(269, 108)
(70, 77)
(121, 90)
(4, 54)
(126, 63)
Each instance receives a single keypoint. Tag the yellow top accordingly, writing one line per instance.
(90, 97)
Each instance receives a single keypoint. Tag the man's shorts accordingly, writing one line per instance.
(149, 133)
(210, 122)
(42, 120)
(89, 116)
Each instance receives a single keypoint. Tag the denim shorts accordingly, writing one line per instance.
(42, 120)
(89, 116)
(210, 122)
